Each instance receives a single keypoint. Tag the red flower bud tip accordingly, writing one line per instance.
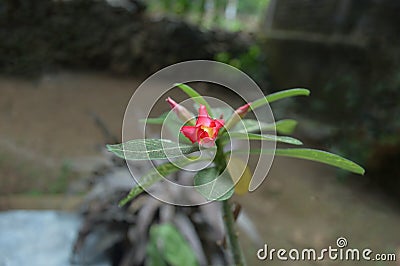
(180, 111)
(171, 102)
(237, 115)
(206, 129)
(242, 111)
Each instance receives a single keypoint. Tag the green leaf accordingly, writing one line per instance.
(150, 149)
(279, 95)
(195, 95)
(171, 245)
(312, 155)
(251, 136)
(251, 126)
(285, 126)
(322, 157)
(153, 256)
(156, 175)
(155, 121)
(213, 186)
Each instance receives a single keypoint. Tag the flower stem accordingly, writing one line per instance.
(229, 221)
(233, 242)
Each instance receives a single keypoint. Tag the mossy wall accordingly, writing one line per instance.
(43, 35)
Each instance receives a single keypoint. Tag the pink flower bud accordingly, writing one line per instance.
(242, 110)
(237, 115)
(182, 113)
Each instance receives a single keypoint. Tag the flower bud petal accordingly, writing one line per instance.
(182, 113)
(243, 110)
(237, 116)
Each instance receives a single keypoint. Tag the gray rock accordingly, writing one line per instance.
(37, 238)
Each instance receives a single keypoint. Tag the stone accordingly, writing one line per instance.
(38, 238)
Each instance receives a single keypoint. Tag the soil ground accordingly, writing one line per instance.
(49, 141)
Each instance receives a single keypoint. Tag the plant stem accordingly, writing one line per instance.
(232, 237)
(229, 221)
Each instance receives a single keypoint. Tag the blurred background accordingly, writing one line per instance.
(68, 69)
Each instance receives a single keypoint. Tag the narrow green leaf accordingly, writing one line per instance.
(195, 95)
(285, 126)
(251, 126)
(156, 120)
(252, 136)
(156, 175)
(312, 155)
(322, 157)
(150, 149)
(172, 246)
(279, 95)
(213, 186)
